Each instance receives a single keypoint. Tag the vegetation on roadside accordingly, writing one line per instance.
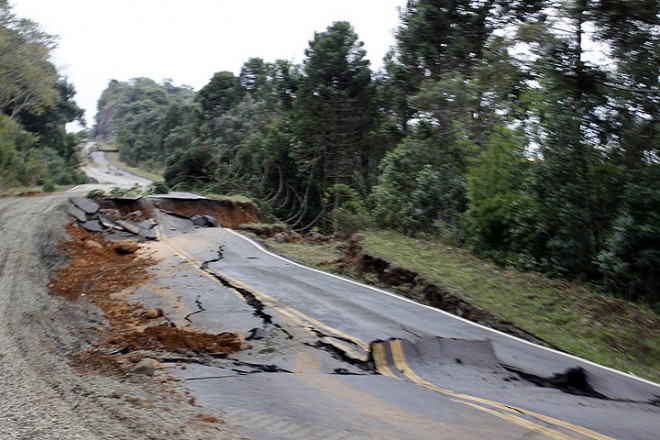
(571, 317)
(32, 190)
(231, 197)
(36, 103)
(490, 125)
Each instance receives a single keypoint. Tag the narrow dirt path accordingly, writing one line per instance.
(41, 395)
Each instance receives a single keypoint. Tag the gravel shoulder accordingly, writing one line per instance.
(41, 395)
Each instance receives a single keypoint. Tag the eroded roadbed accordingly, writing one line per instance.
(324, 347)
(323, 357)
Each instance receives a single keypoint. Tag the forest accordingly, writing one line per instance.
(524, 131)
(36, 103)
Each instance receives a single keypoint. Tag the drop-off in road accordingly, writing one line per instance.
(329, 358)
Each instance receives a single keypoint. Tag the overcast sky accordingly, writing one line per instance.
(189, 40)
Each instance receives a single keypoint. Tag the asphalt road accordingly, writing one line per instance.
(331, 358)
(336, 359)
(100, 169)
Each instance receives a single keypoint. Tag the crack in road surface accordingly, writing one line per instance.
(573, 381)
(200, 309)
(220, 252)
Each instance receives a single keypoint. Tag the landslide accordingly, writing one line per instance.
(42, 393)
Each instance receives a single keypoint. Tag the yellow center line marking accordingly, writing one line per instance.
(518, 421)
(379, 360)
(357, 341)
(349, 351)
(401, 363)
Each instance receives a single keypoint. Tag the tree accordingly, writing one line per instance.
(418, 190)
(49, 123)
(494, 187)
(334, 113)
(35, 105)
(27, 77)
(221, 93)
(630, 259)
(140, 115)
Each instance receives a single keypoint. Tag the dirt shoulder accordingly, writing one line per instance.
(42, 394)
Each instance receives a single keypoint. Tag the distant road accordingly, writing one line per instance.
(100, 169)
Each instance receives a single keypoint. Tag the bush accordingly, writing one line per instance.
(629, 263)
(157, 188)
(95, 194)
(346, 223)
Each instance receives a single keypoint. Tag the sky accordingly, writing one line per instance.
(187, 41)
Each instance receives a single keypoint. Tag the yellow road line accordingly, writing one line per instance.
(576, 428)
(378, 349)
(401, 363)
(318, 324)
(548, 432)
(349, 351)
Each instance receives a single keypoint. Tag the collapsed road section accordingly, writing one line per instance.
(310, 335)
(123, 217)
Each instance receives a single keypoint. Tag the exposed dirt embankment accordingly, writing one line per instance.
(229, 213)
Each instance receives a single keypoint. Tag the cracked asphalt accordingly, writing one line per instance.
(41, 395)
(331, 358)
(327, 359)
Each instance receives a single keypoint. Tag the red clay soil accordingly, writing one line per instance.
(96, 272)
(229, 213)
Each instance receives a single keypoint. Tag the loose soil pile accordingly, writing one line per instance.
(98, 272)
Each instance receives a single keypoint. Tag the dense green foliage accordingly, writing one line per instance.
(35, 106)
(146, 119)
(491, 124)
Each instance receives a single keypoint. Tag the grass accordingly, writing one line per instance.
(113, 158)
(571, 317)
(15, 191)
(231, 197)
(319, 256)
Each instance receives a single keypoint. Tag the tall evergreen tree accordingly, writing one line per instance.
(334, 113)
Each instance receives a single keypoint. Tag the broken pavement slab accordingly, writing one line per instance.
(92, 226)
(86, 205)
(204, 220)
(76, 213)
(108, 223)
(143, 229)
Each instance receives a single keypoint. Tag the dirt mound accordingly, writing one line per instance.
(177, 340)
(97, 273)
(95, 269)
